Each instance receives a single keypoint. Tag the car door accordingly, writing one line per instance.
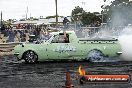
(61, 49)
(56, 47)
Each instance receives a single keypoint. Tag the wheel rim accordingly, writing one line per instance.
(30, 57)
(95, 56)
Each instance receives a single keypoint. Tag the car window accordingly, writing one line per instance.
(60, 39)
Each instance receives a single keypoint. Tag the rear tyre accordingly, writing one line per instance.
(95, 56)
(30, 57)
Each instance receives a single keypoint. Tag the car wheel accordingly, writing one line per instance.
(95, 56)
(30, 57)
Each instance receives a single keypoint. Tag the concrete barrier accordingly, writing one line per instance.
(6, 48)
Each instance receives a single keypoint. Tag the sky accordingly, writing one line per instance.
(16, 9)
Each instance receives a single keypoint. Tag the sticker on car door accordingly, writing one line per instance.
(65, 48)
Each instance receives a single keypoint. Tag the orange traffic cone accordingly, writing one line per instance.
(68, 83)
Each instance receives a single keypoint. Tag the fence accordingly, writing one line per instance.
(114, 31)
(6, 48)
(90, 30)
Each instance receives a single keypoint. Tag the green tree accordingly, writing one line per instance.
(90, 18)
(119, 12)
(77, 13)
(86, 18)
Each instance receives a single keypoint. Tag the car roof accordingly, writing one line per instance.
(55, 33)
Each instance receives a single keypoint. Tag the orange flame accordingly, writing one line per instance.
(81, 71)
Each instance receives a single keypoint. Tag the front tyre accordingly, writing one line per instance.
(30, 57)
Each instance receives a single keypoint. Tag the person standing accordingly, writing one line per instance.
(66, 23)
(47, 35)
(42, 35)
(11, 36)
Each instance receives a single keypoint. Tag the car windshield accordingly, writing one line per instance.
(49, 39)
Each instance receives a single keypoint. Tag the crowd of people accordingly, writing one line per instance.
(23, 34)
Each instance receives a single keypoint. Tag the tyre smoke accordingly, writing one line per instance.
(125, 39)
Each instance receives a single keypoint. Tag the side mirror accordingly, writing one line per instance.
(22, 45)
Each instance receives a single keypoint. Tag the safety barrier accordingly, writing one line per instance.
(6, 48)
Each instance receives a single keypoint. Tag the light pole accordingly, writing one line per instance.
(1, 24)
(102, 18)
(103, 10)
(56, 14)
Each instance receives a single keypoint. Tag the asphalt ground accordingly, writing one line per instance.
(17, 74)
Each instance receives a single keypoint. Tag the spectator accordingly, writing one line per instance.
(27, 35)
(31, 32)
(42, 35)
(65, 23)
(7, 32)
(35, 33)
(23, 39)
(11, 36)
(28, 26)
(97, 24)
(18, 36)
(3, 28)
(47, 36)
(18, 26)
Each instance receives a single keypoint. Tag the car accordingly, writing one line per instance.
(66, 46)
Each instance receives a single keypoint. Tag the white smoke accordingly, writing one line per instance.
(125, 40)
